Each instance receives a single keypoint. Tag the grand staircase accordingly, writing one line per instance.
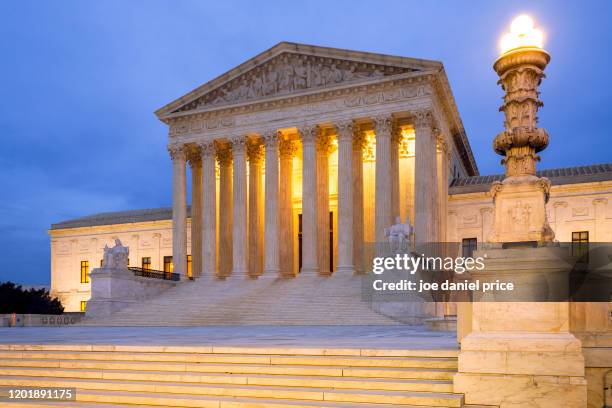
(232, 377)
(304, 300)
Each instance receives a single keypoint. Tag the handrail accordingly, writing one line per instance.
(154, 274)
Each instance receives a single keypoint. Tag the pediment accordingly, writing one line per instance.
(288, 69)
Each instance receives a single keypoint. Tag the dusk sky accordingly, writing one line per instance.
(80, 80)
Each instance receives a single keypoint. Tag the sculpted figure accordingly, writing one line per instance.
(335, 75)
(115, 257)
(301, 74)
(317, 78)
(258, 86)
(348, 74)
(399, 234)
(271, 81)
(286, 77)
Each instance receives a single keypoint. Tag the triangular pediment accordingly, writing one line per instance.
(288, 69)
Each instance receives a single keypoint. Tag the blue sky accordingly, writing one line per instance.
(80, 80)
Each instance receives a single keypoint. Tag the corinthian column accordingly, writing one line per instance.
(345, 198)
(224, 156)
(255, 153)
(209, 211)
(323, 221)
(358, 221)
(394, 155)
(271, 215)
(239, 242)
(285, 207)
(195, 161)
(309, 200)
(426, 179)
(384, 208)
(179, 209)
(443, 159)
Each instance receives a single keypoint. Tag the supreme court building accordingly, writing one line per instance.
(297, 159)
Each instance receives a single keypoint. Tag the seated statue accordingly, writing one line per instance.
(115, 257)
(399, 234)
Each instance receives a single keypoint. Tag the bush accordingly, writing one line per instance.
(13, 299)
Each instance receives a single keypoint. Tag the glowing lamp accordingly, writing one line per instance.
(522, 34)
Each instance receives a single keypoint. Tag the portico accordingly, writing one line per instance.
(298, 133)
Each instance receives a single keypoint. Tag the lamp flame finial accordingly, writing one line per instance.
(523, 34)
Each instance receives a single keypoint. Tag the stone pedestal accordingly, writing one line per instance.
(520, 210)
(522, 354)
(113, 289)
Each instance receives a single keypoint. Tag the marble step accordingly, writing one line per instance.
(176, 392)
(404, 362)
(388, 384)
(338, 371)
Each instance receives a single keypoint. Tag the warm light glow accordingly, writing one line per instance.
(522, 34)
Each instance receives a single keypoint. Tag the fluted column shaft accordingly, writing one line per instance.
(358, 219)
(179, 209)
(394, 156)
(426, 180)
(323, 221)
(271, 211)
(195, 161)
(209, 211)
(310, 260)
(345, 198)
(383, 207)
(442, 157)
(239, 222)
(285, 207)
(224, 156)
(255, 153)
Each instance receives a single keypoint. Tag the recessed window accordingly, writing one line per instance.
(168, 265)
(468, 246)
(580, 243)
(83, 305)
(146, 262)
(189, 265)
(101, 263)
(84, 271)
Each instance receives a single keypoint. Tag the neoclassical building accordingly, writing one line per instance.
(298, 159)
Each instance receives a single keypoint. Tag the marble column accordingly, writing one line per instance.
(426, 227)
(179, 209)
(442, 162)
(224, 156)
(345, 197)
(394, 156)
(240, 205)
(195, 162)
(209, 210)
(271, 211)
(383, 207)
(256, 240)
(358, 219)
(310, 260)
(285, 207)
(324, 147)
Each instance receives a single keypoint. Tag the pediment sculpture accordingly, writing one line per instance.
(290, 72)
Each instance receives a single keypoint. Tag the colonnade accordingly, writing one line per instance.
(256, 231)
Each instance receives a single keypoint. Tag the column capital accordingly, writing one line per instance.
(255, 152)
(359, 138)
(324, 144)
(383, 124)
(177, 152)
(396, 134)
(238, 144)
(423, 118)
(309, 133)
(286, 148)
(194, 155)
(441, 144)
(224, 155)
(207, 149)
(271, 137)
(345, 129)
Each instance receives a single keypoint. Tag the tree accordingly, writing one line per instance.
(13, 299)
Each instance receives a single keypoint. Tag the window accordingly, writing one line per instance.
(101, 263)
(168, 266)
(84, 271)
(83, 305)
(146, 262)
(468, 246)
(580, 243)
(189, 265)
